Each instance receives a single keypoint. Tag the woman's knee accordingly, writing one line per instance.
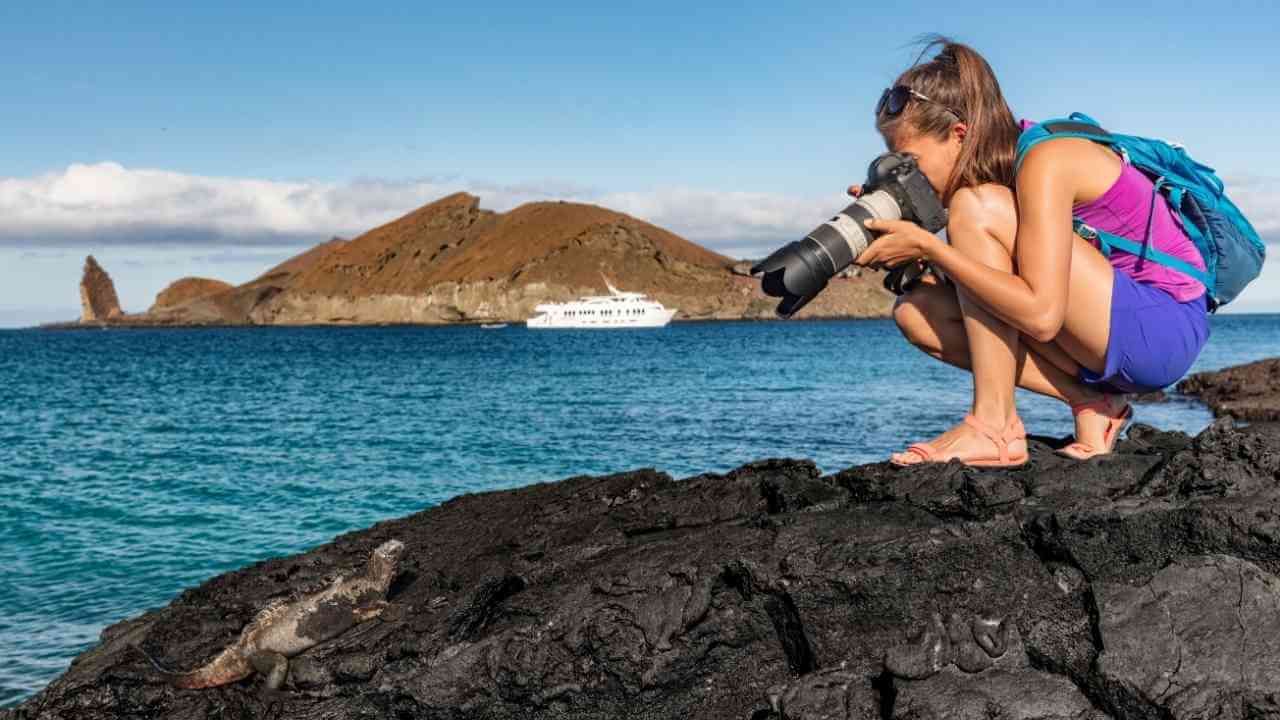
(907, 314)
(983, 224)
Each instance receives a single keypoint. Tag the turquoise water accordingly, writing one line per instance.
(136, 463)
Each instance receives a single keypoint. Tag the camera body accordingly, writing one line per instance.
(895, 190)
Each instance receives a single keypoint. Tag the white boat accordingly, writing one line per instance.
(618, 309)
(493, 326)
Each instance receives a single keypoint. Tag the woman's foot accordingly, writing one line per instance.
(1098, 426)
(973, 442)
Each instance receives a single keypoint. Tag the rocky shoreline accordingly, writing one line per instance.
(1248, 392)
(78, 325)
(853, 298)
(1142, 585)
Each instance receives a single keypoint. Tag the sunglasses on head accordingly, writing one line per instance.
(894, 100)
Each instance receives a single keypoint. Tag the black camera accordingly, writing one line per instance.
(895, 190)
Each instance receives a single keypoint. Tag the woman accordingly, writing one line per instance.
(1028, 302)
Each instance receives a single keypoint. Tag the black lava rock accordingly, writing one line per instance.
(1246, 392)
(1141, 585)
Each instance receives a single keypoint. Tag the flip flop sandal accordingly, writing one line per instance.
(1083, 450)
(1013, 431)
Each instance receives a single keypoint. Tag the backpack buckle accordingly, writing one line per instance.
(1085, 231)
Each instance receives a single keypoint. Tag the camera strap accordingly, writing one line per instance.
(904, 278)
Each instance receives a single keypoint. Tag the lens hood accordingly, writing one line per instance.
(797, 272)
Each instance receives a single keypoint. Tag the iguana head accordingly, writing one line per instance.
(385, 561)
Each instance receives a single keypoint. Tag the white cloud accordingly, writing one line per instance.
(106, 204)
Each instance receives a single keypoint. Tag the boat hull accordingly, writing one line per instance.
(618, 309)
(552, 321)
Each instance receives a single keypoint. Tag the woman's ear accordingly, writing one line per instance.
(959, 131)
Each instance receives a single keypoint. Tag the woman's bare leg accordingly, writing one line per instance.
(934, 319)
(993, 356)
(1086, 332)
(993, 343)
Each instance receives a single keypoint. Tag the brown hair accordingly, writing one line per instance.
(960, 79)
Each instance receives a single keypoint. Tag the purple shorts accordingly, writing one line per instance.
(1154, 338)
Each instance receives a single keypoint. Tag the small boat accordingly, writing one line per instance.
(616, 310)
(493, 326)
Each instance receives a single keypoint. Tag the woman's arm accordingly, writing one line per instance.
(1035, 299)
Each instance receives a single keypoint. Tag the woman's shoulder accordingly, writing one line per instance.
(1067, 154)
(1080, 166)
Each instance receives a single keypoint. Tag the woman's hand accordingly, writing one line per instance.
(900, 242)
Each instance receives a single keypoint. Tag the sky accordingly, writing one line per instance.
(217, 139)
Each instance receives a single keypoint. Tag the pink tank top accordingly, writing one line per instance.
(1124, 210)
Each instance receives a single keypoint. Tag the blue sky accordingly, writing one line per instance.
(215, 139)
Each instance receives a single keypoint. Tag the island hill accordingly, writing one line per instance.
(452, 261)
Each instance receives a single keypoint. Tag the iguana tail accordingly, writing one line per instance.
(229, 666)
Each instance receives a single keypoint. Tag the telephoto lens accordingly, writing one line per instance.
(895, 190)
(800, 270)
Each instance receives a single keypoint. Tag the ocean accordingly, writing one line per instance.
(137, 463)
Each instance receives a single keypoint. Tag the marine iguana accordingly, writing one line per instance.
(284, 629)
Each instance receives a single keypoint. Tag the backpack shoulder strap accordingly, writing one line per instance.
(1077, 125)
(1108, 241)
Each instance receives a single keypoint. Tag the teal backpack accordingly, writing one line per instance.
(1232, 250)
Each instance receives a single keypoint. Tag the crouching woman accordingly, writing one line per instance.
(1027, 302)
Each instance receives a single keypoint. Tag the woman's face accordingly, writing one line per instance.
(936, 157)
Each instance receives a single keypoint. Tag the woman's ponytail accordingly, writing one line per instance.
(958, 78)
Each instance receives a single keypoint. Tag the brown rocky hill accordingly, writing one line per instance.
(452, 261)
(453, 240)
(188, 289)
